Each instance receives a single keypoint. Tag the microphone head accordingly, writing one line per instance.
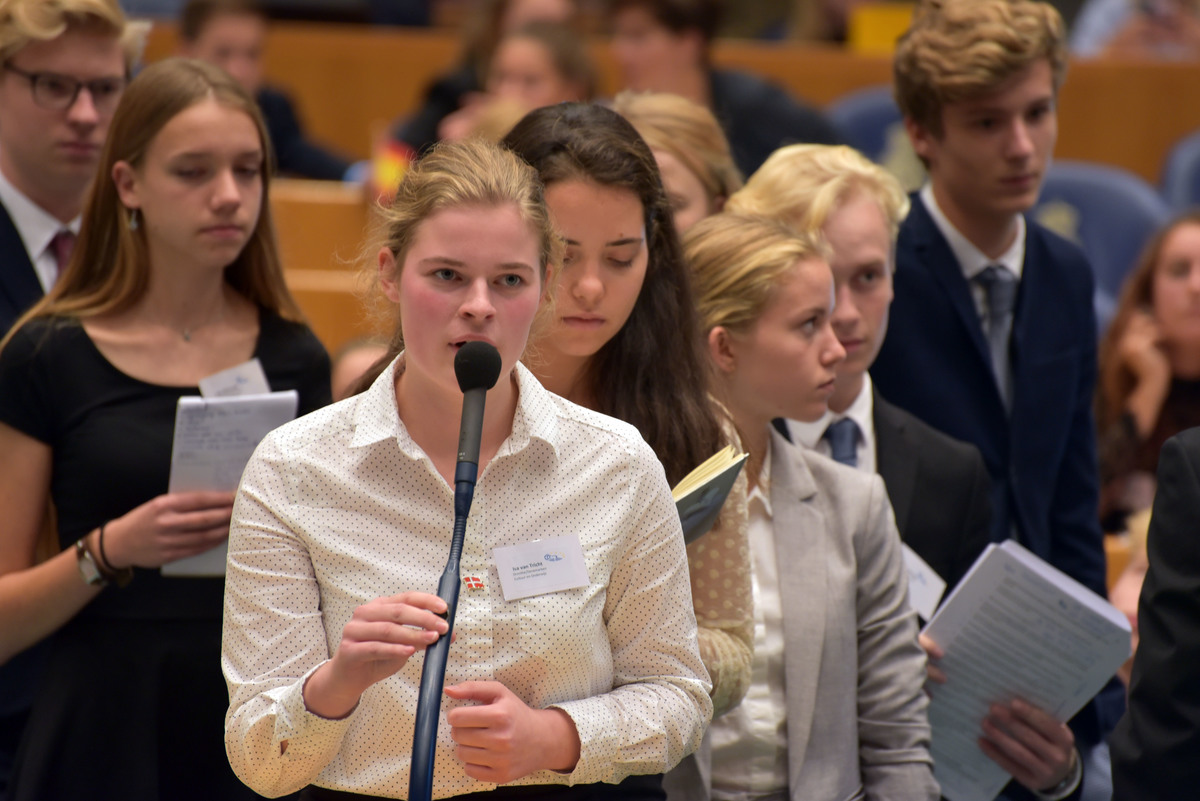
(476, 366)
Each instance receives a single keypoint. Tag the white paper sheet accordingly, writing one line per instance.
(1014, 627)
(925, 586)
(247, 378)
(214, 439)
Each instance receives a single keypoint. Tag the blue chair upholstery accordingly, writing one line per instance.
(865, 119)
(871, 123)
(1181, 174)
(1107, 211)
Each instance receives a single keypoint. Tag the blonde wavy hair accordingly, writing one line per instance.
(803, 184)
(453, 175)
(738, 262)
(23, 22)
(957, 49)
(689, 132)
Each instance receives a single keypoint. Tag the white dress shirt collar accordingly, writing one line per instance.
(861, 410)
(971, 259)
(36, 227)
(376, 417)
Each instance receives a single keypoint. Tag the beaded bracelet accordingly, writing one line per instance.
(120, 577)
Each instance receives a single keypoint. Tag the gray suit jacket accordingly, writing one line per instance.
(856, 711)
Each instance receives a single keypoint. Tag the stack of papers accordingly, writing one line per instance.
(1015, 627)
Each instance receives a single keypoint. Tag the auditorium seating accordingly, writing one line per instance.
(1109, 212)
(868, 119)
(349, 81)
(322, 226)
(1180, 183)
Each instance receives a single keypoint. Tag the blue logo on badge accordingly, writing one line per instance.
(554, 556)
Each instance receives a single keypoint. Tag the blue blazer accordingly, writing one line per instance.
(19, 284)
(935, 363)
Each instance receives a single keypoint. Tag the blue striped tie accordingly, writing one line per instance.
(1000, 289)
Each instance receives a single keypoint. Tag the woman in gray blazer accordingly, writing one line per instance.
(835, 709)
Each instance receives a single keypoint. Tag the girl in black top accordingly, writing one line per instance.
(175, 276)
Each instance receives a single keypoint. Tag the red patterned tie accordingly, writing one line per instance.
(61, 246)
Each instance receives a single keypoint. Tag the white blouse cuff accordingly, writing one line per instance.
(307, 732)
(599, 743)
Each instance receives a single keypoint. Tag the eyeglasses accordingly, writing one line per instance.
(59, 92)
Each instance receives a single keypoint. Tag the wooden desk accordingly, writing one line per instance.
(322, 226)
(332, 303)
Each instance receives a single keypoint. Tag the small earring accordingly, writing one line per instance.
(133, 219)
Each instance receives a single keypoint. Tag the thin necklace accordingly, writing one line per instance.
(187, 332)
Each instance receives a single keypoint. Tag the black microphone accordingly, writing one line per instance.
(476, 366)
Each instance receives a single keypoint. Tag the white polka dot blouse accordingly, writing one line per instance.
(341, 507)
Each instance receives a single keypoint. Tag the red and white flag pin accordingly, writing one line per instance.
(473, 583)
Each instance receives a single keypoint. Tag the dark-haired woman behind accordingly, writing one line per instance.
(624, 341)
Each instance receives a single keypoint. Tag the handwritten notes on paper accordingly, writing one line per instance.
(214, 439)
(1015, 627)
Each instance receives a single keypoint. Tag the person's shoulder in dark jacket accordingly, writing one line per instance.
(759, 117)
(443, 97)
(295, 154)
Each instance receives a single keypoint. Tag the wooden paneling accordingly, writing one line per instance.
(350, 81)
(322, 226)
(333, 306)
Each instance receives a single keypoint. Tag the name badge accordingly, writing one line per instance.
(247, 378)
(544, 566)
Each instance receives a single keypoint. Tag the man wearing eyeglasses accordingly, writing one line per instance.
(63, 66)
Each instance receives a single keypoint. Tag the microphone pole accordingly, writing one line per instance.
(476, 366)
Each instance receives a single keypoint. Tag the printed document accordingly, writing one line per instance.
(1014, 627)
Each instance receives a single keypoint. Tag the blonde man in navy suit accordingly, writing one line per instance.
(938, 486)
(64, 66)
